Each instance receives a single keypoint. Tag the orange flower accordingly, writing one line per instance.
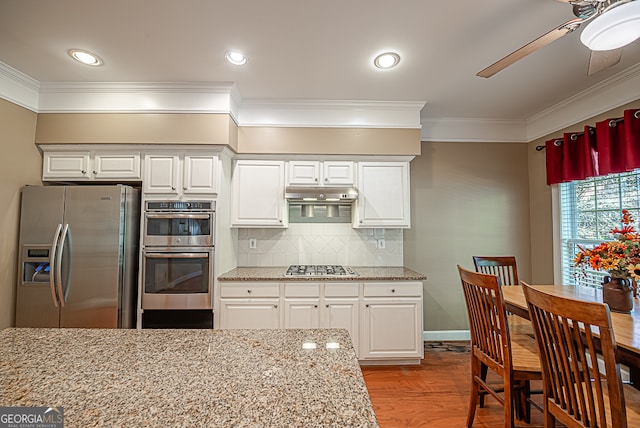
(620, 257)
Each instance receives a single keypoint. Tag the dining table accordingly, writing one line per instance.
(626, 326)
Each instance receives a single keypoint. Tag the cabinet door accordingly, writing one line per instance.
(249, 313)
(392, 328)
(114, 166)
(384, 195)
(65, 165)
(304, 172)
(258, 194)
(337, 172)
(301, 313)
(161, 174)
(200, 174)
(342, 313)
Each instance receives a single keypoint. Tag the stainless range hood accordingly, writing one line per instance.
(320, 204)
(321, 194)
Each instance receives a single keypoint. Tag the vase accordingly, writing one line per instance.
(618, 294)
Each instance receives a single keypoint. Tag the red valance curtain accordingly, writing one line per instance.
(612, 146)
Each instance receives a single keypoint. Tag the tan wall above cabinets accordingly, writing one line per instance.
(221, 129)
(329, 141)
(136, 128)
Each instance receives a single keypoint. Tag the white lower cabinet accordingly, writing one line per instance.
(391, 321)
(252, 305)
(301, 313)
(384, 319)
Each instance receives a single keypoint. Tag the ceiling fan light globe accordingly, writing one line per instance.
(613, 29)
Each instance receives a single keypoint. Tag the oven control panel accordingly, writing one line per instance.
(180, 206)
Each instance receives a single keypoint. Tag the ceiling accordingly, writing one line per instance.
(314, 49)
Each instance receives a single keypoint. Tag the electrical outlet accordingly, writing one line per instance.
(380, 243)
(253, 243)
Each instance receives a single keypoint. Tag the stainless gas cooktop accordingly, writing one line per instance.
(320, 270)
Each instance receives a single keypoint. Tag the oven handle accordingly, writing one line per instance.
(175, 215)
(175, 255)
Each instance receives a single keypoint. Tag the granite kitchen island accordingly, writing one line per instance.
(198, 378)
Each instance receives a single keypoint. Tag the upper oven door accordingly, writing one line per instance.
(172, 229)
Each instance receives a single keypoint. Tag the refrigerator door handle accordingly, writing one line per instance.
(52, 264)
(63, 238)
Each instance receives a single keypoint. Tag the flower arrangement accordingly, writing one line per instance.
(620, 257)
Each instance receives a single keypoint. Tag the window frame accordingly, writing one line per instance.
(564, 272)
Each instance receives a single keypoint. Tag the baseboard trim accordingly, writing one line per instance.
(436, 336)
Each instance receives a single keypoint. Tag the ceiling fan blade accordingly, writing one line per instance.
(530, 47)
(599, 60)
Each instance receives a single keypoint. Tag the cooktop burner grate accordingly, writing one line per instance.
(319, 270)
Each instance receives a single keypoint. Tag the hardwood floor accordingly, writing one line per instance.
(434, 393)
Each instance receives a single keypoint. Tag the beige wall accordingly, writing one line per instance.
(349, 141)
(20, 164)
(466, 199)
(135, 128)
(540, 194)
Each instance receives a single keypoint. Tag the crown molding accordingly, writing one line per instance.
(19, 88)
(330, 113)
(224, 97)
(618, 90)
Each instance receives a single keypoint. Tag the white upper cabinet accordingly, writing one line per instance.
(304, 172)
(384, 198)
(257, 194)
(337, 173)
(91, 166)
(180, 174)
(200, 174)
(321, 173)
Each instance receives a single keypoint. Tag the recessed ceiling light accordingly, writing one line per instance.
(236, 58)
(85, 57)
(387, 60)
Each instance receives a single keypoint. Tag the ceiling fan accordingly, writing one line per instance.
(621, 15)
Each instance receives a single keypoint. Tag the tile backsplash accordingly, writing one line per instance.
(320, 243)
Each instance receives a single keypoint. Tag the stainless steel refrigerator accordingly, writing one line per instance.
(78, 256)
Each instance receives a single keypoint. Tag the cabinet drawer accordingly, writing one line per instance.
(302, 289)
(393, 289)
(257, 289)
(341, 289)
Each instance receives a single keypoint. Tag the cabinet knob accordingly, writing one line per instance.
(327, 306)
(315, 179)
(393, 290)
(249, 291)
(83, 171)
(326, 179)
(275, 306)
(315, 306)
(173, 188)
(184, 188)
(95, 172)
(367, 305)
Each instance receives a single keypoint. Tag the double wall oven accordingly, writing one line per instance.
(177, 255)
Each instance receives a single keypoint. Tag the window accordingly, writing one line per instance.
(589, 209)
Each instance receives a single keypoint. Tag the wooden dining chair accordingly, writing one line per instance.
(504, 267)
(578, 391)
(515, 360)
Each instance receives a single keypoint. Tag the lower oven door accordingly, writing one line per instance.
(177, 278)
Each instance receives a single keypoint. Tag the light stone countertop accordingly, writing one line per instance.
(277, 273)
(195, 378)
